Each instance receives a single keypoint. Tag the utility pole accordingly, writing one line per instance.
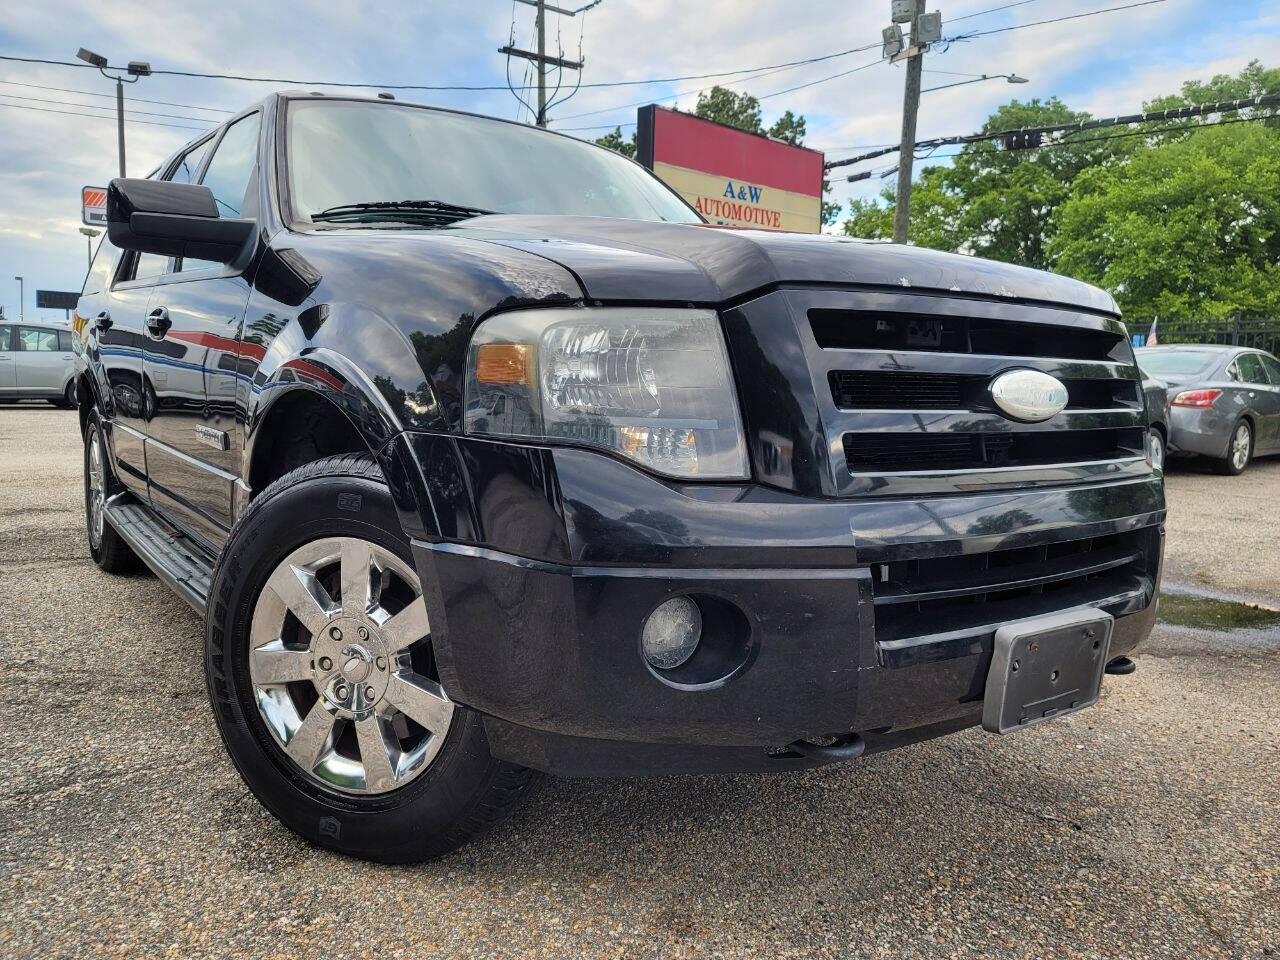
(89, 234)
(910, 107)
(539, 57)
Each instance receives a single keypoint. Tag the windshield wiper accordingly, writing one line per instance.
(438, 209)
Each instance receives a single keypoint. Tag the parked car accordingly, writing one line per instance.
(582, 484)
(1156, 393)
(1224, 402)
(35, 363)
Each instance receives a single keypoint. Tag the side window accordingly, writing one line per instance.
(230, 175)
(6, 332)
(64, 341)
(189, 165)
(1233, 372)
(1251, 368)
(144, 266)
(104, 262)
(31, 339)
(1271, 364)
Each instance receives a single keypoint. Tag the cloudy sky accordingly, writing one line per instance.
(1106, 64)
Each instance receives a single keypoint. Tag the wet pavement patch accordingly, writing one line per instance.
(1209, 613)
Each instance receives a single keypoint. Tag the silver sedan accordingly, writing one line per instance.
(1224, 402)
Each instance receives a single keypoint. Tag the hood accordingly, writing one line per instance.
(641, 260)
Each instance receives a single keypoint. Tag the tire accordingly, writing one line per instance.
(69, 395)
(279, 689)
(1239, 450)
(106, 546)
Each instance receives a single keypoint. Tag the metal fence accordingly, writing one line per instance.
(1260, 333)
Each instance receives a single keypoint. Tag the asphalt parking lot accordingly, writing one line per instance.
(1146, 827)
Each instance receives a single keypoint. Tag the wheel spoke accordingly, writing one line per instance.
(357, 563)
(310, 739)
(274, 663)
(375, 754)
(421, 700)
(408, 626)
(302, 594)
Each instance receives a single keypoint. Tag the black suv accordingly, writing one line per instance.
(479, 452)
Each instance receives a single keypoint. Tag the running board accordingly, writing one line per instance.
(173, 557)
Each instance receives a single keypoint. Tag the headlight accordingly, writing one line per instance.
(652, 385)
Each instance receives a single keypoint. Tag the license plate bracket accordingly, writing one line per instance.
(1045, 667)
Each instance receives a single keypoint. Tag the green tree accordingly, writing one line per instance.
(613, 141)
(994, 202)
(1185, 229)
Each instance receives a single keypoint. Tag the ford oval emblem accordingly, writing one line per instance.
(1029, 395)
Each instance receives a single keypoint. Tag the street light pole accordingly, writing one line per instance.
(89, 234)
(135, 70)
(22, 307)
(120, 120)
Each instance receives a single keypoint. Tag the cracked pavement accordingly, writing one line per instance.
(1146, 827)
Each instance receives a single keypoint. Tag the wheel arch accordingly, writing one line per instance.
(300, 425)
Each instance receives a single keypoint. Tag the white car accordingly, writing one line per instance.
(35, 363)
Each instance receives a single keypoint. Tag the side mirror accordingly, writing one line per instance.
(172, 220)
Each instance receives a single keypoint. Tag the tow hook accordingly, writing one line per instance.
(845, 748)
(1121, 667)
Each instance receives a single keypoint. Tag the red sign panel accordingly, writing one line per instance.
(732, 177)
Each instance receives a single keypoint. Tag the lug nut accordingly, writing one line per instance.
(340, 691)
(335, 633)
(362, 633)
(381, 662)
(370, 692)
(326, 663)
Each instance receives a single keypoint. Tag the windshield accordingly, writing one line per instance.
(1174, 363)
(345, 152)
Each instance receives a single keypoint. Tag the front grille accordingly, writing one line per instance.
(903, 386)
(970, 595)
(865, 330)
(901, 452)
(892, 390)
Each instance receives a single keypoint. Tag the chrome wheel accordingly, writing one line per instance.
(96, 487)
(341, 666)
(1155, 444)
(1241, 444)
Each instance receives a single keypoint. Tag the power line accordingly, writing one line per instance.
(99, 116)
(1025, 133)
(91, 106)
(983, 13)
(1069, 141)
(109, 96)
(472, 87)
(1041, 23)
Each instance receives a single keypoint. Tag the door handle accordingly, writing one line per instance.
(102, 321)
(158, 323)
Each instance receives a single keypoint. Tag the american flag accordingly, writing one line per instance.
(1152, 341)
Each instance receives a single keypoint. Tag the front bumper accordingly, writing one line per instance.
(540, 566)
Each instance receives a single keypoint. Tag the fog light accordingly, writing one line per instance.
(671, 633)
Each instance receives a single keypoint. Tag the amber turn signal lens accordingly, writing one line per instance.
(504, 363)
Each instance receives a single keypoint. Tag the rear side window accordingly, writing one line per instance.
(6, 333)
(189, 166)
(1271, 364)
(1250, 366)
(230, 176)
(33, 339)
(64, 341)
